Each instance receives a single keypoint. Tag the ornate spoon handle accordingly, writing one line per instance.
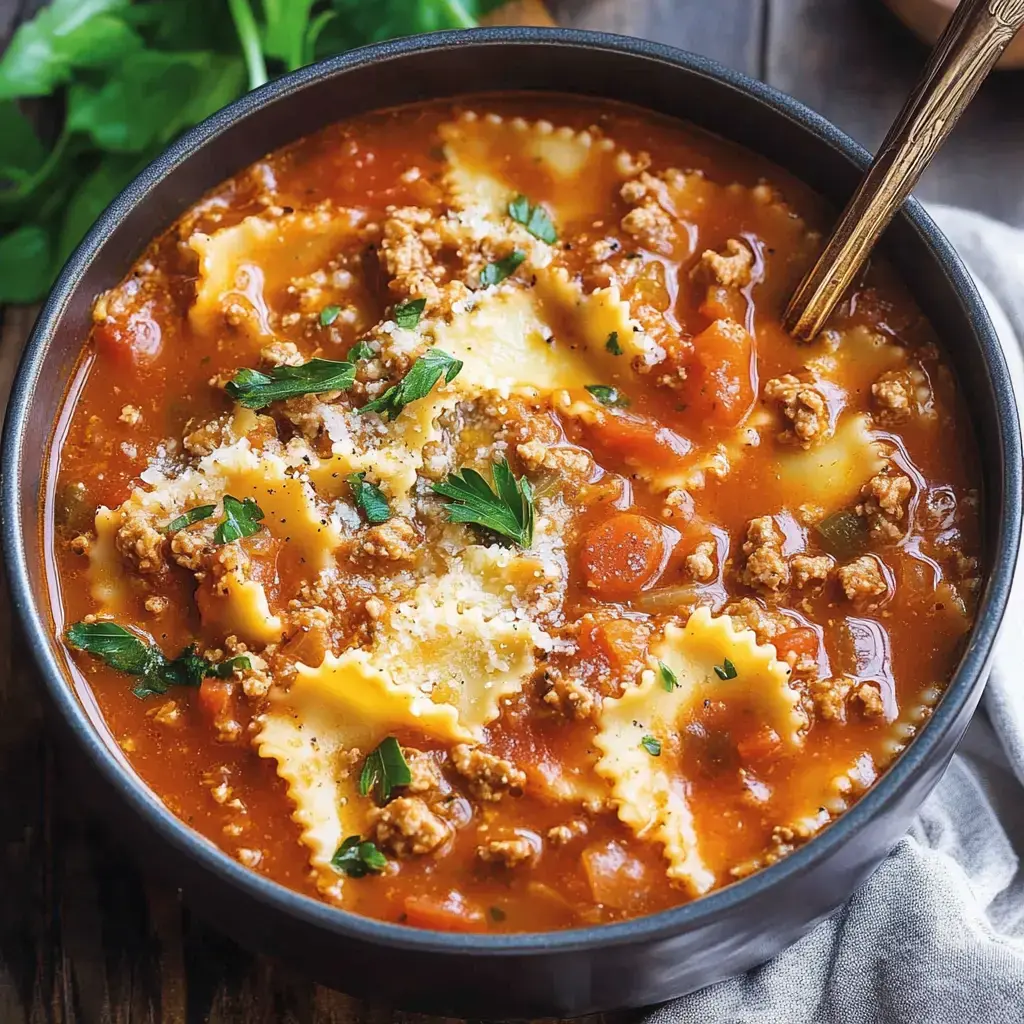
(975, 37)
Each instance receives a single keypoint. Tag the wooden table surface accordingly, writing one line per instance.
(85, 938)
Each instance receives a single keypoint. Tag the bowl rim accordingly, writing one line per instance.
(173, 831)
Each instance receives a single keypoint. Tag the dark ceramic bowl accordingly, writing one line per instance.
(559, 973)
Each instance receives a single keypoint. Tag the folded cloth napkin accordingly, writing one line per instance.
(936, 935)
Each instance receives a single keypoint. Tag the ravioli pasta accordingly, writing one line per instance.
(447, 528)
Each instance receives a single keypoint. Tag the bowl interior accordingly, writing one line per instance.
(448, 64)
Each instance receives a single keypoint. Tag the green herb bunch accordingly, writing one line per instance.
(129, 77)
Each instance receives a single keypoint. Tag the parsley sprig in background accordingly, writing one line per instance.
(128, 77)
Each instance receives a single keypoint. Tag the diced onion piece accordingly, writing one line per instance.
(666, 599)
(617, 879)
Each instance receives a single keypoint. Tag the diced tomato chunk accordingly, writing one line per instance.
(796, 642)
(623, 555)
(719, 390)
(642, 440)
(129, 340)
(449, 913)
(216, 697)
(623, 641)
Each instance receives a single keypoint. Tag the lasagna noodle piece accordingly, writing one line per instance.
(291, 513)
(540, 339)
(578, 170)
(832, 473)
(347, 704)
(648, 790)
(240, 267)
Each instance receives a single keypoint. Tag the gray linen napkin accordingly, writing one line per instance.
(936, 935)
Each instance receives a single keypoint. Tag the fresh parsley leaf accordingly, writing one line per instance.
(497, 914)
(152, 98)
(651, 745)
(609, 396)
(668, 678)
(328, 315)
(416, 384)
(384, 768)
(407, 315)
(116, 646)
(369, 498)
(241, 519)
(358, 857)
(727, 670)
(507, 509)
(534, 218)
(26, 264)
(496, 272)
(257, 390)
(94, 194)
(360, 350)
(64, 36)
(193, 515)
(285, 33)
(132, 76)
(127, 652)
(612, 344)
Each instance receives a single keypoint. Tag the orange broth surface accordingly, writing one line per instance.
(548, 846)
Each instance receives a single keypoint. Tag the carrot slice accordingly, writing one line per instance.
(215, 697)
(719, 390)
(622, 556)
(449, 913)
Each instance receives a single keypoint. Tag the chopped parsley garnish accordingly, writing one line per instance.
(416, 384)
(369, 498)
(652, 745)
(668, 678)
(256, 390)
(328, 315)
(241, 519)
(357, 857)
(606, 395)
(507, 509)
(127, 652)
(727, 670)
(384, 768)
(407, 315)
(192, 516)
(360, 350)
(496, 272)
(612, 344)
(534, 218)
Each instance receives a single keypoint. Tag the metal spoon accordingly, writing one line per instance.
(966, 52)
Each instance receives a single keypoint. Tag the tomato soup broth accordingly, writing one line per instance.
(446, 527)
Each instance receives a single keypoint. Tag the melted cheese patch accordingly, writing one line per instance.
(242, 265)
(649, 792)
(449, 649)
(392, 458)
(832, 473)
